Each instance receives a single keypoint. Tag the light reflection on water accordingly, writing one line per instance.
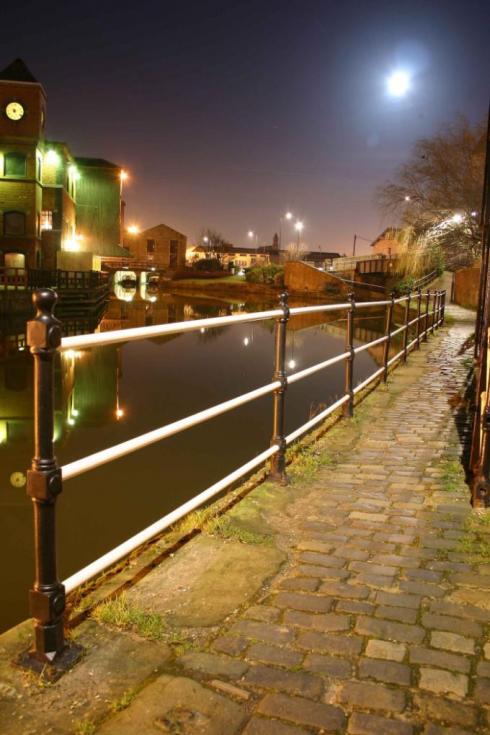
(110, 394)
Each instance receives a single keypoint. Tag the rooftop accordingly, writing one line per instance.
(17, 71)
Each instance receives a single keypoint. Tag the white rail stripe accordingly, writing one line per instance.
(368, 380)
(378, 341)
(115, 555)
(396, 357)
(158, 330)
(321, 307)
(315, 420)
(131, 445)
(397, 331)
(315, 368)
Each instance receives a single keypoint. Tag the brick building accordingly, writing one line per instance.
(56, 211)
(161, 247)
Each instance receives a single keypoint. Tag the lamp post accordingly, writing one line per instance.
(254, 237)
(288, 216)
(299, 226)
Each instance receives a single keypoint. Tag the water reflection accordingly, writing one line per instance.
(112, 393)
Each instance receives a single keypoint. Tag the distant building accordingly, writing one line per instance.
(319, 258)
(56, 211)
(229, 255)
(161, 247)
(388, 243)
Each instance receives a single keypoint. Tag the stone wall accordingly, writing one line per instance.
(299, 276)
(466, 286)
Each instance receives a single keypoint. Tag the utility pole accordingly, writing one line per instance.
(354, 246)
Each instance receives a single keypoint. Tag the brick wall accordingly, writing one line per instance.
(466, 286)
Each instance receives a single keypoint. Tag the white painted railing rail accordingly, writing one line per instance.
(104, 456)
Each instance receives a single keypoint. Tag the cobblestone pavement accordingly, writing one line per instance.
(379, 622)
(376, 622)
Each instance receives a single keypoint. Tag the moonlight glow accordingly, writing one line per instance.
(398, 83)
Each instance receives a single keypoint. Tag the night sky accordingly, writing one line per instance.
(228, 113)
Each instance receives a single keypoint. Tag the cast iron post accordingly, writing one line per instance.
(434, 311)
(47, 597)
(278, 462)
(349, 363)
(389, 317)
(419, 309)
(427, 309)
(443, 309)
(405, 333)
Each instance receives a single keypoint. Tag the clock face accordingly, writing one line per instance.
(14, 111)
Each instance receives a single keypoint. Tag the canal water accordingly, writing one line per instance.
(109, 394)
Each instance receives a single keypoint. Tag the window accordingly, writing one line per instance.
(174, 251)
(46, 220)
(15, 164)
(14, 223)
(150, 247)
(39, 166)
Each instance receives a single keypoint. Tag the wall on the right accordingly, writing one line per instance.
(466, 285)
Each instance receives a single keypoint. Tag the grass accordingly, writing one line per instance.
(225, 528)
(84, 727)
(453, 477)
(124, 701)
(121, 613)
(207, 281)
(306, 461)
(194, 521)
(476, 541)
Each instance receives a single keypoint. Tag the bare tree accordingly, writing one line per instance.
(437, 193)
(295, 251)
(212, 239)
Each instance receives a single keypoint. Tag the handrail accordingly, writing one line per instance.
(82, 341)
(45, 478)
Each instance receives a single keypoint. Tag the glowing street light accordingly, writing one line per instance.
(407, 198)
(51, 157)
(457, 218)
(299, 226)
(253, 236)
(124, 176)
(133, 229)
(398, 83)
(288, 215)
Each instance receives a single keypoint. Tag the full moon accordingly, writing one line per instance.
(398, 83)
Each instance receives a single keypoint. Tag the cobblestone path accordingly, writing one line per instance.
(377, 622)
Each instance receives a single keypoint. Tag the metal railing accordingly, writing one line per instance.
(47, 598)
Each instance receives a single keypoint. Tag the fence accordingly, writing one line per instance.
(22, 279)
(47, 598)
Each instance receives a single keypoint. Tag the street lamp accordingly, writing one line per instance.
(299, 226)
(288, 216)
(253, 236)
(133, 229)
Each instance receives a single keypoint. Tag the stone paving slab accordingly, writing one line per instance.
(378, 620)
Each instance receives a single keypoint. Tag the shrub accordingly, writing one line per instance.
(268, 274)
(208, 264)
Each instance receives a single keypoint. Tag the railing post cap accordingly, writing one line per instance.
(44, 301)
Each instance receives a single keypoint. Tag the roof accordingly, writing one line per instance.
(389, 233)
(320, 255)
(95, 162)
(17, 71)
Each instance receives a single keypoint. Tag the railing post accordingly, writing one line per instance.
(434, 311)
(47, 597)
(278, 461)
(349, 363)
(405, 333)
(443, 309)
(427, 309)
(389, 317)
(419, 309)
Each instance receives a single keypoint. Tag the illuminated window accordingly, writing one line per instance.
(14, 223)
(46, 220)
(15, 164)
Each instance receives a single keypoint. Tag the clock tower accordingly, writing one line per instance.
(22, 114)
(22, 103)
